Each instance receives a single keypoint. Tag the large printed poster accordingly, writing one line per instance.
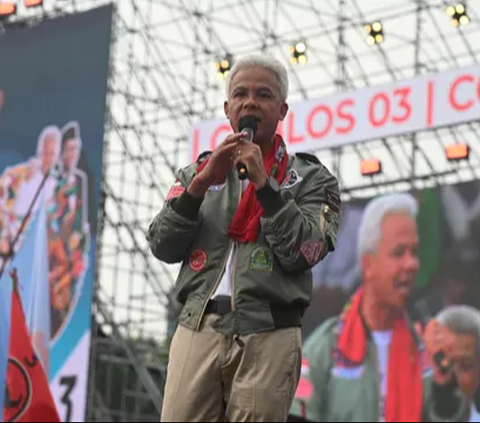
(53, 84)
(449, 255)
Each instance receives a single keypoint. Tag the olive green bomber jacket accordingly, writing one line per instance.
(272, 282)
(353, 396)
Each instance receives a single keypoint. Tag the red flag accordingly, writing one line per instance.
(28, 397)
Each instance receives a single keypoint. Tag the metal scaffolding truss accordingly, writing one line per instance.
(163, 81)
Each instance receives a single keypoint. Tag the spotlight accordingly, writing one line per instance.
(371, 167)
(299, 53)
(7, 8)
(33, 3)
(224, 65)
(458, 15)
(457, 152)
(375, 33)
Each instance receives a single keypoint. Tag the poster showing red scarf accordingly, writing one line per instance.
(53, 85)
(448, 225)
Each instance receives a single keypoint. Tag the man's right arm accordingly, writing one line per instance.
(172, 231)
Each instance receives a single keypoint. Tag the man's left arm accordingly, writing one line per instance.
(301, 232)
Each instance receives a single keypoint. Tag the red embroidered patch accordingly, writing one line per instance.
(198, 260)
(311, 251)
(176, 191)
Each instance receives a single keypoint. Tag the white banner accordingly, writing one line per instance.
(70, 385)
(426, 102)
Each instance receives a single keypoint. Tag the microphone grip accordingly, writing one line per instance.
(442, 362)
(242, 171)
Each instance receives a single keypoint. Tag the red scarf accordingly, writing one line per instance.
(245, 225)
(404, 385)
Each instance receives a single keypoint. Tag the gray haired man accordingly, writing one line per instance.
(247, 248)
(463, 349)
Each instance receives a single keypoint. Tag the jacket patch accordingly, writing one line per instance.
(348, 373)
(198, 260)
(175, 191)
(261, 259)
(292, 179)
(311, 251)
(304, 389)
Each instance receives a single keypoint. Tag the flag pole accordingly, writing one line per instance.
(14, 276)
(11, 249)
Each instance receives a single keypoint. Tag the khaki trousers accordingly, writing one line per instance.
(216, 378)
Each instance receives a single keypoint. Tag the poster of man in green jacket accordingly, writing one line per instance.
(371, 363)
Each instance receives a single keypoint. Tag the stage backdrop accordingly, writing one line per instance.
(449, 254)
(53, 84)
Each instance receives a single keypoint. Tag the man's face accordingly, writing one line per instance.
(463, 351)
(71, 153)
(255, 91)
(48, 154)
(391, 269)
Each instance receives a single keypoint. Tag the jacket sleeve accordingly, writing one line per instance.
(301, 232)
(446, 404)
(311, 401)
(174, 228)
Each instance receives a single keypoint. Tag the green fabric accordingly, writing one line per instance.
(350, 395)
(430, 234)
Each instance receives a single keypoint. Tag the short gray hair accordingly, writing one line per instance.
(370, 231)
(267, 62)
(461, 320)
(46, 133)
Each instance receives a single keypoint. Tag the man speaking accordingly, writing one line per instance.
(370, 364)
(248, 222)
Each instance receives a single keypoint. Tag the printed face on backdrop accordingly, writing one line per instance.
(255, 91)
(71, 153)
(466, 360)
(48, 152)
(392, 268)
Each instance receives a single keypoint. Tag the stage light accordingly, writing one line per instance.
(464, 20)
(224, 65)
(298, 52)
(371, 167)
(458, 15)
(457, 152)
(375, 33)
(33, 3)
(7, 8)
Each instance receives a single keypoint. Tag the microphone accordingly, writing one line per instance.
(248, 124)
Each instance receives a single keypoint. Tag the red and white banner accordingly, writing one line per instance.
(426, 102)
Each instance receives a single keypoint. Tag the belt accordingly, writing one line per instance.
(283, 317)
(220, 306)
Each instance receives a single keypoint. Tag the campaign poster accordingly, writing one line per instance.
(53, 86)
(448, 223)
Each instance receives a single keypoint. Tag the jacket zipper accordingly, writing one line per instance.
(215, 286)
(222, 269)
(235, 252)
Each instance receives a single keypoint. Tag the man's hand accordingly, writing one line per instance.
(250, 155)
(219, 164)
(438, 339)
